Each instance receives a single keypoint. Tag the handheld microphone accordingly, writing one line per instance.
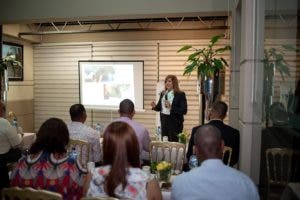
(166, 95)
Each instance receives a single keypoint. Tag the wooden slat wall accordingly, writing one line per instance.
(56, 80)
(171, 62)
(57, 85)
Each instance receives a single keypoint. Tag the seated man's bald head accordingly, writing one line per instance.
(208, 142)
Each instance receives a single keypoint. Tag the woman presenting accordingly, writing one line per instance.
(172, 106)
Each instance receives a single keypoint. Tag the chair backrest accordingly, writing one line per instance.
(82, 148)
(279, 164)
(16, 193)
(227, 151)
(173, 152)
(99, 198)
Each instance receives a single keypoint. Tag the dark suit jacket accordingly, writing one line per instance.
(230, 136)
(178, 108)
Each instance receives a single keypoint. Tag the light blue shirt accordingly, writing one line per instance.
(141, 132)
(214, 180)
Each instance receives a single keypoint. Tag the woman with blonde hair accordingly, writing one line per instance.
(172, 105)
(121, 176)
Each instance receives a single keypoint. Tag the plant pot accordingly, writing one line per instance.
(209, 89)
(209, 86)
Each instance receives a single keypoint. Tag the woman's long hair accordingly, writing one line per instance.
(120, 150)
(52, 137)
(174, 81)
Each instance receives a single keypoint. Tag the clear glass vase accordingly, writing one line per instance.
(164, 175)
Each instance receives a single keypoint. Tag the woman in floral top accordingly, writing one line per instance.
(121, 175)
(48, 165)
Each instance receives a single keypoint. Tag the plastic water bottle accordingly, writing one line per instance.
(15, 124)
(193, 162)
(73, 154)
(98, 128)
(158, 133)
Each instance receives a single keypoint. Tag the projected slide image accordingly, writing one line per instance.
(106, 84)
(115, 90)
(101, 73)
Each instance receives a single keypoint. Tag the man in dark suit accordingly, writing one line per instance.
(230, 135)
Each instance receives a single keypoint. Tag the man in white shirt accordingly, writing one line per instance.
(127, 111)
(212, 180)
(78, 130)
(9, 141)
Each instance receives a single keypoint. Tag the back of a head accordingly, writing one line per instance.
(208, 141)
(126, 107)
(52, 137)
(76, 112)
(219, 109)
(120, 149)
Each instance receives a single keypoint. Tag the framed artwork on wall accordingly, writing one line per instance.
(15, 72)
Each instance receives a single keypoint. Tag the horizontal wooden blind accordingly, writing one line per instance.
(172, 62)
(57, 85)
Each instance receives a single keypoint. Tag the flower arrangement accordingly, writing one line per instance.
(153, 167)
(164, 171)
(9, 60)
(182, 137)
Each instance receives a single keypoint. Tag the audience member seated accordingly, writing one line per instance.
(230, 135)
(121, 176)
(127, 111)
(212, 180)
(78, 130)
(9, 151)
(48, 166)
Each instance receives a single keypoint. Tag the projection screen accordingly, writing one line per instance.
(103, 84)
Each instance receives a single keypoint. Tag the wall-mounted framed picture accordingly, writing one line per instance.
(15, 72)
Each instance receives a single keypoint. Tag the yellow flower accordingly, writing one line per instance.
(163, 166)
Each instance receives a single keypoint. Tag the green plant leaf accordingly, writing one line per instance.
(192, 56)
(217, 64)
(215, 39)
(221, 50)
(184, 48)
(188, 69)
(289, 47)
(224, 61)
(202, 69)
(203, 60)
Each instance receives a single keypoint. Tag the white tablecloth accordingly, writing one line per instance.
(28, 139)
(166, 195)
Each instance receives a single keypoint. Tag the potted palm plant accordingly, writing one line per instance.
(274, 61)
(208, 63)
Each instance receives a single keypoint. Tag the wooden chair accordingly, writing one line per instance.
(173, 152)
(227, 152)
(279, 164)
(16, 193)
(83, 150)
